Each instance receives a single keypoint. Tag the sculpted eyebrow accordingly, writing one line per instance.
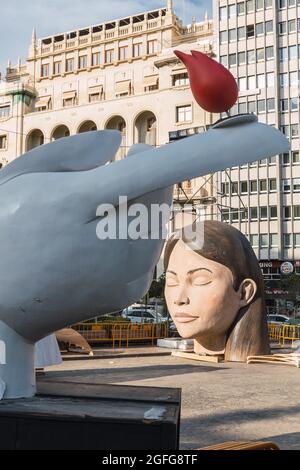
(199, 269)
(172, 272)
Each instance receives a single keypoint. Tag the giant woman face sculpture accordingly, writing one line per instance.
(214, 292)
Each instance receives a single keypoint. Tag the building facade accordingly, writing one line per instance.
(121, 74)
(258, 40)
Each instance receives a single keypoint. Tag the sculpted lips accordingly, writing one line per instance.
(183, 317)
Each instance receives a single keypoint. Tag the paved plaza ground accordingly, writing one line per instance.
(220, 402)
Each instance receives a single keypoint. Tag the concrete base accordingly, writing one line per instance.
(73, 416)
(176, 343)
(17, 374)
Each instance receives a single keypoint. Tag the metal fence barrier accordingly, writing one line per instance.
(283, 333)
(123, 332)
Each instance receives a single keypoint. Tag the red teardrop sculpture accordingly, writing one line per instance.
(213, 86)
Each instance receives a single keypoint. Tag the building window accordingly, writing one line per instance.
(223, 13)
(263, 186)
(232, 11)
(292, 26)
(264, 240)
(70, 65)
(284, 105)
(254, 241)
(181, 79)
(241, 58)
(184, 113)
(223, 37)
(232, 35)
(152, 47)
(263, 212)
(253, 213)
(259, 4)
(242, 108)
(4, 111)
(269, 53)
(241, 32)
(242, 84)
(283, 54)
(57, 68)
(296, 185)
(284, 80)
(268, 3)
(137, 50)
(282, 27)
(273, 212)
(45, 70)
(95, 59)
(281, 3)
(123, 52)
(261, 106)
(260, 29)
(285, 130)
(241, 8)
(250, 31)
(260, 54)
(269, 27)
(109, 56)
(251, 107)
(294, 104)
(225, 188)
(297, 239)
(251, 56)
(296, 212)
(224, 60)
(244, 187)
(253, 186)
(250, 6)
(232, 60)
(272, 185)
(292, 52)
(287, 212)
(287, 240)
(274, 240)
(286, 185)
(294, 130)
(273, 160)
(234, 188)
(82, 62)
(3, 142)
(285, 159)
(295, 157)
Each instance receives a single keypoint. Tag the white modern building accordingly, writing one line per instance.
(258, 40)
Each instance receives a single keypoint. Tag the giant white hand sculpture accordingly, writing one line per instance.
(54, 270)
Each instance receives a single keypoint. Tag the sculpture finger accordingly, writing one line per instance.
(76, 153)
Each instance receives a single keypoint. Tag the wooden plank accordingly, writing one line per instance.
(195, 357)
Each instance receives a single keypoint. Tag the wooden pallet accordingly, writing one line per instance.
(243, 445)
(292, 359)
(197, 357)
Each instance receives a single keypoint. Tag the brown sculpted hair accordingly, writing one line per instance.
(248, 335)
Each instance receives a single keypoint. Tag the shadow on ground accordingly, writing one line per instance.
(205, 430)
(126, 374)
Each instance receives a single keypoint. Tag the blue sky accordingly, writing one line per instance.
(18, 17)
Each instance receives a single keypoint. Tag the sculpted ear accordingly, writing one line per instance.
(247, 291)
(80, 152)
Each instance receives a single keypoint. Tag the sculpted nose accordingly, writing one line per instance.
(182, 299)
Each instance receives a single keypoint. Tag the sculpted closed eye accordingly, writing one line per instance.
(202, 279)
(171, 282)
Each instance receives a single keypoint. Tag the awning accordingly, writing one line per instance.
(69, 94)
(43, 102)
(151, 80)
(123, 87)
(178, 70)
(96, 90)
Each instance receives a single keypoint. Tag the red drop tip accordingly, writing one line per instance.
(213, 86)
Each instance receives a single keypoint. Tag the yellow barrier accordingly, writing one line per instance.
(123, 332)
(282, 333)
